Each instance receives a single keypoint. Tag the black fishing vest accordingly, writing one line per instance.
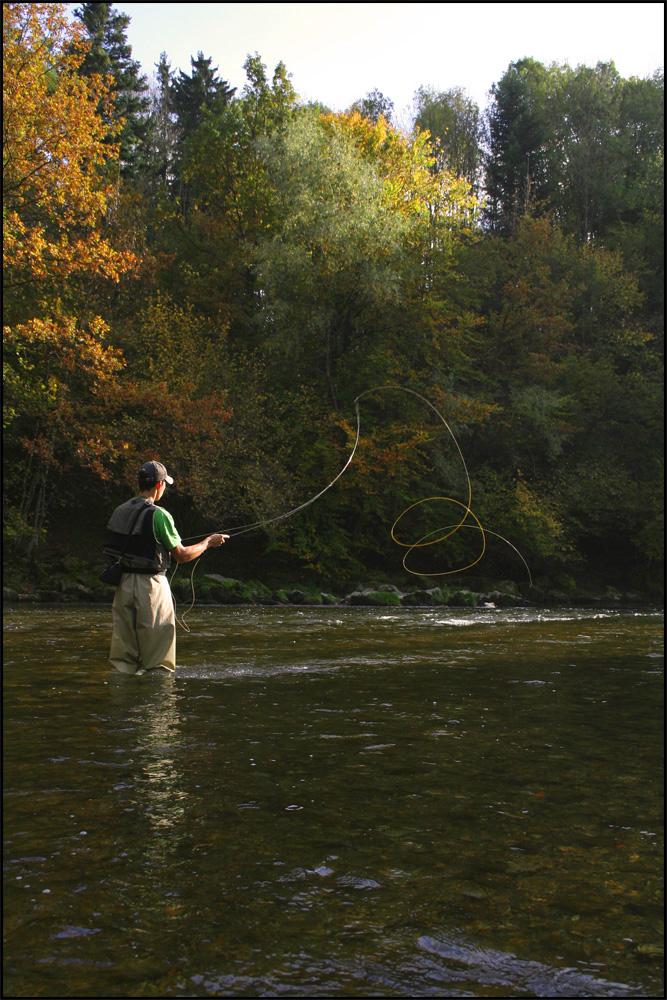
(143, 554)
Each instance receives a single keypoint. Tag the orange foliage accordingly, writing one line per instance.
(50, 368)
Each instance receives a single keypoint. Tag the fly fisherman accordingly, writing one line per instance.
(145, 537)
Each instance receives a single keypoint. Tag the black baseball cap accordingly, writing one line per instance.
(154, 472)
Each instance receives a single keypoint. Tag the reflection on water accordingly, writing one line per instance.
(157, 791)
(336, 802)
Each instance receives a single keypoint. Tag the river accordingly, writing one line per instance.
(338, 802)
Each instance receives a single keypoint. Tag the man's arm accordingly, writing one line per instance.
(186, 553)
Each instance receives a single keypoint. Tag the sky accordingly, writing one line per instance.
(338, 52)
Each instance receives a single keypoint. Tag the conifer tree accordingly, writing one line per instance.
(111, 54)
(162, 132)
(192, 97)
(202, 90)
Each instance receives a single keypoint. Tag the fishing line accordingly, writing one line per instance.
(473, 527)
(422, 544)
(449, 530)
(181, 621)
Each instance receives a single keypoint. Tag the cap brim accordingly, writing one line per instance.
(169, 480)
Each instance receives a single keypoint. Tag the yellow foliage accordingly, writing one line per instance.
(55, 192)
(406, 163)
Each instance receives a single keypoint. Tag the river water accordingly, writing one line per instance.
(336, 802)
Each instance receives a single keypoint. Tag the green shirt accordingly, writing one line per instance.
(164, 529)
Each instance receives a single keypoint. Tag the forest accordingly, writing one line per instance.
(210, 277)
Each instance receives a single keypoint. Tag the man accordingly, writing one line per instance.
(145, 537)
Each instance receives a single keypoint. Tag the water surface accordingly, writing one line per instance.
(336, 802)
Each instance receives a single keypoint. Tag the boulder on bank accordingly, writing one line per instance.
(463, 599)
(225, 590)
(558, 597)
(434, 597)
(262, 595)
(500, 599)
(374, 599)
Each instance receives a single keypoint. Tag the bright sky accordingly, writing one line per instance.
(338, 52)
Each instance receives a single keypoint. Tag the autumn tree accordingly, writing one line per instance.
(55, 197)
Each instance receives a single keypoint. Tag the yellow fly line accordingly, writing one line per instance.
(450, 530)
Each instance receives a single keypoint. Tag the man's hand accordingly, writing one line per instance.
(215, 540)
(185, 553)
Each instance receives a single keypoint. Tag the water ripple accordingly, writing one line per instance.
(489, 967)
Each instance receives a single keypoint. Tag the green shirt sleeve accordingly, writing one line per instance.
(164, 529)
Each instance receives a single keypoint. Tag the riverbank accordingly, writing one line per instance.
(81, 586)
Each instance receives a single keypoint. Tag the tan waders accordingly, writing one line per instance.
(144, 626)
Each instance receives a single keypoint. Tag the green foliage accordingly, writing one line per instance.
(335, 256)
(463, 599)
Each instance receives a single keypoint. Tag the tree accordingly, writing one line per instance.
(372, 106)
(161, 135)
(109, 53)
(333, 254)
(639, 227)
(347, 273)
(55, 197)
(202, 91)
(203, 260)
(58, 379)
(453, 122)
(564, 362)
(54, 149)
(589, 170)
(192, 98)
(211, 246)
(519, 143)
